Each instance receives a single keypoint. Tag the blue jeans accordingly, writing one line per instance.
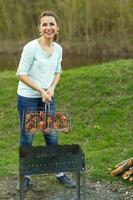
(24, 104)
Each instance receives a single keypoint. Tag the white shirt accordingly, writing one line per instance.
(40, 67)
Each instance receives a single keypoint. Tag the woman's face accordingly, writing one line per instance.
(48, 27)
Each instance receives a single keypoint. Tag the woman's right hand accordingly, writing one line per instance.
(45, 96)
(27, 80)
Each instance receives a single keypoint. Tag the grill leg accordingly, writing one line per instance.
(78, 185)
(84, 186)
(21, 183)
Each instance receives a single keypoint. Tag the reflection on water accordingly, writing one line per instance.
(10, 62)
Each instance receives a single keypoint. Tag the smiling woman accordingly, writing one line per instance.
(39, 73)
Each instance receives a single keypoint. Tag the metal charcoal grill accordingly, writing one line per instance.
(51, 159)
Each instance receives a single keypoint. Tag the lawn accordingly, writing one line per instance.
(100, 101)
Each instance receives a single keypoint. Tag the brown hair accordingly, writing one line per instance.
(50, 13)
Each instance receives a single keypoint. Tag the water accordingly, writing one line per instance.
(10, 61)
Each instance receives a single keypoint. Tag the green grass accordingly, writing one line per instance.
(100, 100)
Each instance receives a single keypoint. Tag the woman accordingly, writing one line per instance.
(39, 73)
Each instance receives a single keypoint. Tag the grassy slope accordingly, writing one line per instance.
(100, 100)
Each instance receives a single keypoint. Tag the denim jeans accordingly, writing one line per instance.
(24, 104)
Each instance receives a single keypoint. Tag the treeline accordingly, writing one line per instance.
(100, 27)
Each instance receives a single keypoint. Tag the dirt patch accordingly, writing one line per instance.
(45, 187)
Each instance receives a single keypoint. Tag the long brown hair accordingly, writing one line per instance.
(49, 13)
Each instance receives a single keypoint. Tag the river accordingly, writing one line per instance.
(10, 61)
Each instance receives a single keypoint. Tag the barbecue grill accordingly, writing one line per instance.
(50, 158)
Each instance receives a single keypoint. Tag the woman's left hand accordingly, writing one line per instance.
(50, 91)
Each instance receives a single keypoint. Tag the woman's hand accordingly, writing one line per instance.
(50, 91)
(45, 96)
